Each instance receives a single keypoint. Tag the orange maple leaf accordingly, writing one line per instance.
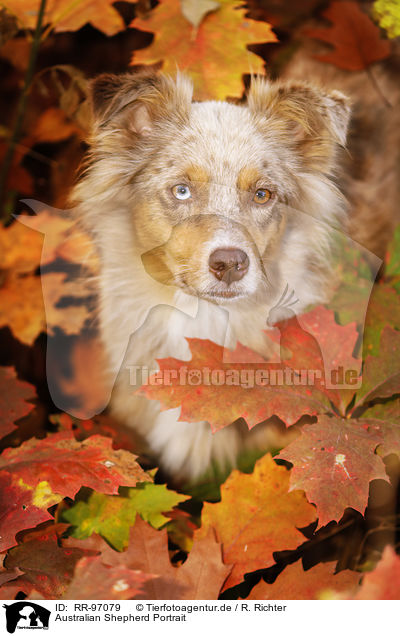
(256, 517)
(62, 237)
(22, 291)
(53, 125)
(22, 307)
(20, 249)
(65, 15)
(297, 584)
(214, 54)
(90, 392)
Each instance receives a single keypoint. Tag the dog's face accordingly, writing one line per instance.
(208, 204)
(213, 186)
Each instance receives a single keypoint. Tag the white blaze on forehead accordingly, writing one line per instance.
(226, 138)
(222, 199)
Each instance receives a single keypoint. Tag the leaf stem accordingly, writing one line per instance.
(377, 88)
(21, 106)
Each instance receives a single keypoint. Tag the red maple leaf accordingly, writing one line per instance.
(17, 511)
(67, 465)
(315, 341)
(333, 462)
(212, 388)
(46, 565)
(355, 38)
(252, 391)
(383, 583)
(40, 473)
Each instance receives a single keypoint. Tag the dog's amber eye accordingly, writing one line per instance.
(262, 196)
(181, 192)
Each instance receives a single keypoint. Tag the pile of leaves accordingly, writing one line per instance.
(318, 517)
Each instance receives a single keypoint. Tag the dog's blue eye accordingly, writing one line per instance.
(181, 192)
(262, 196)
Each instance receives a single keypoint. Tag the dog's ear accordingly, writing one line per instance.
(309, 117)
(135, 101)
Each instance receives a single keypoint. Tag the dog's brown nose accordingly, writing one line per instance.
(228, 264)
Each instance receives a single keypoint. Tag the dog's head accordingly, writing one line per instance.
(212, 188)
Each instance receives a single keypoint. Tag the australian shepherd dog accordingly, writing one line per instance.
(204, 213)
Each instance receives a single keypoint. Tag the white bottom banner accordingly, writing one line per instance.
(175, 617)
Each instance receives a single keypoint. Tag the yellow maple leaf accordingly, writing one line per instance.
(68, 15)
(214, 54)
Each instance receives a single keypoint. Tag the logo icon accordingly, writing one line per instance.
(26, 615)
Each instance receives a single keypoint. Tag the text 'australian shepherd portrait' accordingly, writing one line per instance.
(199, 302)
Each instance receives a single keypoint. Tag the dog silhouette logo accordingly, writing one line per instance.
(26, 615)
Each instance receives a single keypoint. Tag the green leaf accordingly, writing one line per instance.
(383, 311)
(393, 254)
(349, 298)
(105, 515)
(356, 269)
(151, 500)
(381, 374)
(113, 516)
(392, 264)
